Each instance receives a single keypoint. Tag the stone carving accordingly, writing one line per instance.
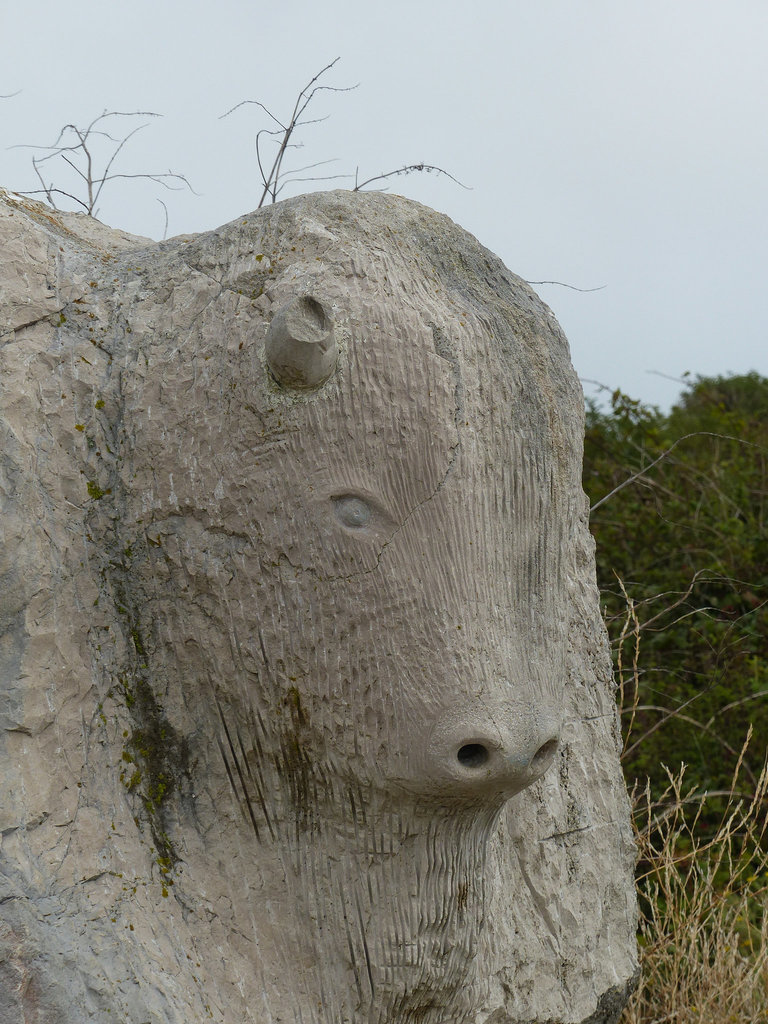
(306, 703)
(300, 348)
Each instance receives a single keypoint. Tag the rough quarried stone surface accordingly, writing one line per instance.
(306, 710)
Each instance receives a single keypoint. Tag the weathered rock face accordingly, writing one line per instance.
(306, 704)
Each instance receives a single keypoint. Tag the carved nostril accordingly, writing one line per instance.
(472, 755)
(488, 752)
(544, 754)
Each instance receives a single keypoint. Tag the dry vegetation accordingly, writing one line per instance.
(703, 894)
(702, 880)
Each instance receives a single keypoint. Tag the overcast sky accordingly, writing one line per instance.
(606, 143)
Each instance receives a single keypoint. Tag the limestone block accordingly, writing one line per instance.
(306, 712)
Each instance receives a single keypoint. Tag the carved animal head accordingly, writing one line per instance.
(380, 446)
(358, 473)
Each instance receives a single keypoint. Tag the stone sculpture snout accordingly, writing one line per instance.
(491, 752)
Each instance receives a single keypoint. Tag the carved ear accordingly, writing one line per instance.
(301, 348)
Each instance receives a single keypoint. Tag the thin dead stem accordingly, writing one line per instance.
(632, 623)
(81, 150)
(629, 676)
(274, 177)
(704, 927)
(665, 454)
(573, 288)
(408, 169)
(702, 885)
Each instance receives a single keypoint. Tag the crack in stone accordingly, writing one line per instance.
(568, 832)
(539, 903)
(26, 826)
(445, 351)
(575, 831)
(37, 320)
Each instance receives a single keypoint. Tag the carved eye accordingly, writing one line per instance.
(352, 512)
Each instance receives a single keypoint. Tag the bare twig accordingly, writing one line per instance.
(666, 376)
(588, 380)
(165, 210)
(668, 451)
(630, 620)
(272, 180)
(633, 626)
(676, 714)
(408, 169)
(80, 156)
(701, 575)
(573, 288)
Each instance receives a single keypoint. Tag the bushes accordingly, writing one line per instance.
(682, 555)
(686, 544)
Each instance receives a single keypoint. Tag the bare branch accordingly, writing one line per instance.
(105, 176)
(676, 714)
(409, 169)
(165, 209)
(48, 191)
(306, 94)
(571, 286)
(684, 380)
(84, 133)
(273, 180)
(74, 167)
(46, 188)
(588, 380)
(256, 103)
(640, 473)
(158, 179)
(318, 163)
(323, 177)
(75, 147)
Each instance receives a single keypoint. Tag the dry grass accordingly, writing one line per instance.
(702, 881)
(703, 890)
